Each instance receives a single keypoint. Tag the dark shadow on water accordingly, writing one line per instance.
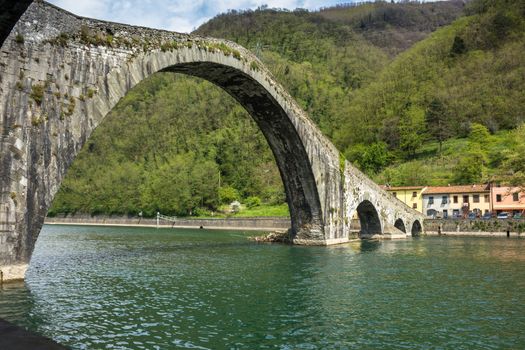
(16, 302)
(369, 245)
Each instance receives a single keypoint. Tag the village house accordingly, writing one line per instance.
(410, 195)
(456, 201)
(507, 199)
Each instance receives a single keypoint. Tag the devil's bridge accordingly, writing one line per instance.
(61, 74)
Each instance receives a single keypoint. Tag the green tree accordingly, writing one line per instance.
(370, 159)
(479, 134)
(479, 137)
(228, 194)
(438, 123)
(512, 170)
(470, 168)
(411, 130)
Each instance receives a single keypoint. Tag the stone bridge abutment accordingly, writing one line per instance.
(61, 74)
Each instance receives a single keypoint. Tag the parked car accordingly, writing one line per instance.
(487, 216)
(518, 216)
(503, 215)
(472, 216)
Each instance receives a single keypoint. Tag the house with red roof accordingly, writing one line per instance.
(456, 201)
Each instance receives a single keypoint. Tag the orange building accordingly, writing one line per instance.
(507, 199)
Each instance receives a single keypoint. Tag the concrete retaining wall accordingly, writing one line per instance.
(261, 223)
(477, 227)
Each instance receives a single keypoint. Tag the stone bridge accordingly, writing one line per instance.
(61, 74)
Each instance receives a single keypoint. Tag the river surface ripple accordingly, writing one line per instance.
(141, 288)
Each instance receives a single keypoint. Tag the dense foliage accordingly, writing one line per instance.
(391, 26)
(182, 146)
(469, 72)
(167, 146)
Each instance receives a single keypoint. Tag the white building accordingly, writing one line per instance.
(456, 201)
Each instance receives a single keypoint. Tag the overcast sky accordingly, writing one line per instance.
(175, 15)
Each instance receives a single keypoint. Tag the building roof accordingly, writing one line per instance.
(457, 189)
(401, 188)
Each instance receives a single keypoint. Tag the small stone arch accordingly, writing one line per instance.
(416, 228)
(369, 220)
(400, 225)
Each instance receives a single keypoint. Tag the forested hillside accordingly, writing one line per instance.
(395, 27)
(182, 146)
(470, 73)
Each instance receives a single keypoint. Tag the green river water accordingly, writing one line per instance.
(141, 288)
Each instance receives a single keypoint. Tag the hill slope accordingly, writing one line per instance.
(469, 72)
(395, 27)
(171, 141)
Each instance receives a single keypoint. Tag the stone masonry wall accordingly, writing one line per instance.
(479, 226)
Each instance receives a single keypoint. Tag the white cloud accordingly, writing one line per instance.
(92, 8)
(184, 24)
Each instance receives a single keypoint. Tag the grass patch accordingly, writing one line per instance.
(264, 210)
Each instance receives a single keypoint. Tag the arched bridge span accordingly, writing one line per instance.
(60, 76)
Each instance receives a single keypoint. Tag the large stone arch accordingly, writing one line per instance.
(70, 78)
(61, 74)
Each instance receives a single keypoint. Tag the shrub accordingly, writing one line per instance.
(252, 202)
(254, 66)
(37, 93)
(19, 39)
(228, 194)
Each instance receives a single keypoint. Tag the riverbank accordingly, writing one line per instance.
(433, 227)
(256, 224)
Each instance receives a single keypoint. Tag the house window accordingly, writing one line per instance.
(516, 197)
(475, 198)
(445, 214)
(455, 199)
(455, 213)
(414, 205)
(487, 198)
(394, 194)
(465, 198)
(498, 198)
(430, 200)
(444, 200)
(414, 194)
